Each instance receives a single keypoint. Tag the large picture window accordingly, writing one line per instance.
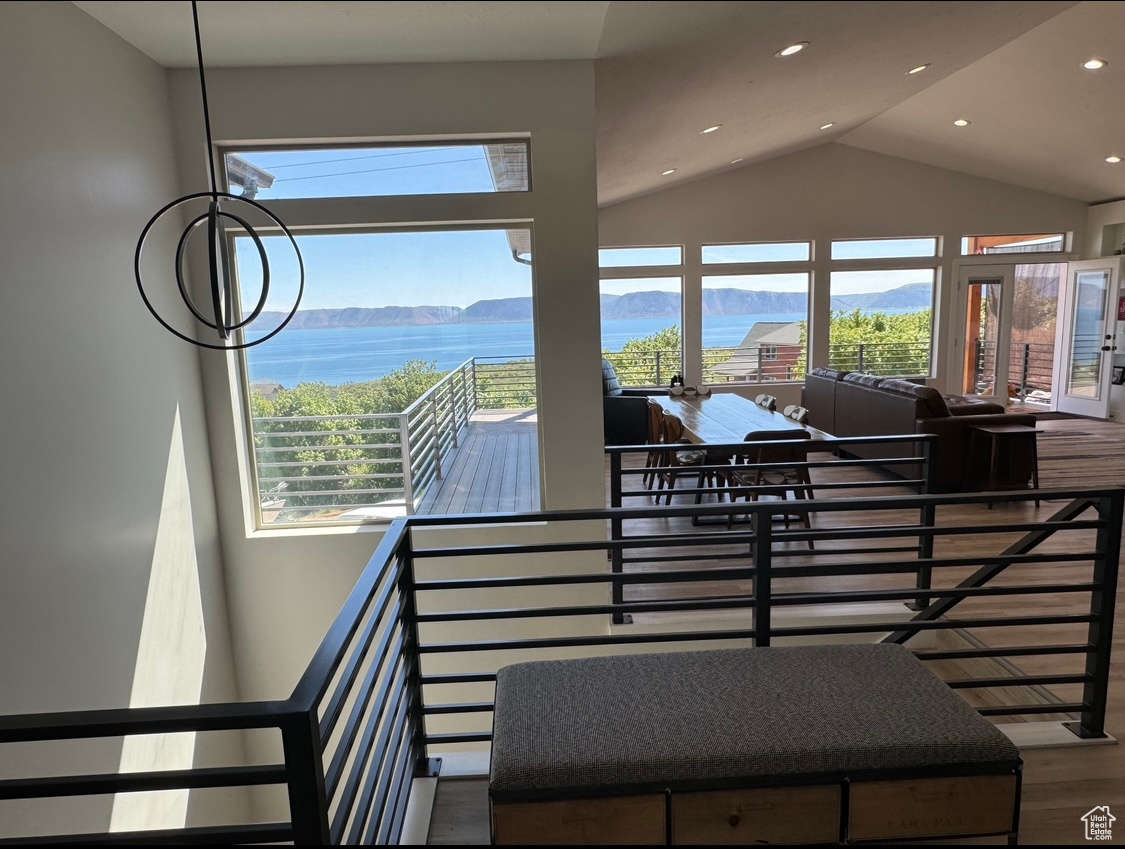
(882, 321)
(755, 327)
(403, 337)
(642, 321)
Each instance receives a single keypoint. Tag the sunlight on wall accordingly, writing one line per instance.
(170, 657)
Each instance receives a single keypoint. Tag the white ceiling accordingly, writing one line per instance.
(666, 70)
(662, 81)
(242, 34)
(1039, 119)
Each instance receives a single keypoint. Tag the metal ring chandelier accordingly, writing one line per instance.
(220, 317)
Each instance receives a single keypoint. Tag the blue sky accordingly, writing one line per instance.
(457, 268)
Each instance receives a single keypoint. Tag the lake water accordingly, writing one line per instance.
(357, 354)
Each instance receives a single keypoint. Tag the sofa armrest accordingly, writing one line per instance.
(625, 419)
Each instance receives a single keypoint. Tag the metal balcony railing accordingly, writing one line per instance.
(1031, 366)
(405, 671)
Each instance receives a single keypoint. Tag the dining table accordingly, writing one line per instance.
(727, 417)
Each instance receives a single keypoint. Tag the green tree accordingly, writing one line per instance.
(336, 444)
(650, 360)
(876, 343)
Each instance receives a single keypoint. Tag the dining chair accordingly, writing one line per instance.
(677, 459)
(775, 481)
(655, 457)
(797, 413)
(767, 401)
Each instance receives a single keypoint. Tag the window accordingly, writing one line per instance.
(882, 321)
(641, 328)
(1014, 244)
(754, 327)
(400, 169)
(403, 337)
(757, 252)
(640, 257)
(884, 248)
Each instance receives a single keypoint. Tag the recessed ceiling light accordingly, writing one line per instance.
(733, 161)
(669, 171)
(919, 69)
(710, 129)
(1113, 160)
(792, 48)
(1094, 64)
(961, 122)
(829, 124)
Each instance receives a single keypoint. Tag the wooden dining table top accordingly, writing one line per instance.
(726, 417)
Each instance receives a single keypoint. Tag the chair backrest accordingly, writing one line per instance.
(797, 413)
(655, 422)
(673, 428)
(767, 401)
(767, 453)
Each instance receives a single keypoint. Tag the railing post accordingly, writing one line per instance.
(476, 401)
(411, 647)
(659, 378)
(616, 554)
(304, 769)
(453, 412)
(927, 518)
(407, 464)
(437, 437)
(763, 578)
(1026, 369)
(759, 363)
(859, 360)
(1095, 692)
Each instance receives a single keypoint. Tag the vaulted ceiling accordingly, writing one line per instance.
(666, 71)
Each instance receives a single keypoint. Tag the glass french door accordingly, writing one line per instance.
(988, 303)
(1085, 356)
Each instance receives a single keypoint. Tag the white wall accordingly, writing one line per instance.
(837, 192)
(287, 586)
(108, 500)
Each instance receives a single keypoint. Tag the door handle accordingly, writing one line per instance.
(1105, 347)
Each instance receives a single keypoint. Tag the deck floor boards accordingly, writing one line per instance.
(494, 469)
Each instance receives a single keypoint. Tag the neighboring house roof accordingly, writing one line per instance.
(762, 334)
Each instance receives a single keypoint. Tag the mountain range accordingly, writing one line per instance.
(631, 305)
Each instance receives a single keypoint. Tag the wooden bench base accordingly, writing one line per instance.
(902, 809)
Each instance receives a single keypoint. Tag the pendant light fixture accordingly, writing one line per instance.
(219, 314)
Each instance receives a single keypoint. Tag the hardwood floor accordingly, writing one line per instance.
(1060, 784)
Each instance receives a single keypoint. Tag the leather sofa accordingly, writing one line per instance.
(853, 404)
(624, 411)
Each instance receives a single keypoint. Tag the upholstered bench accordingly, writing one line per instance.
(810, 744)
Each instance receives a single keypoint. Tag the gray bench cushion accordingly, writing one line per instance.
(671, 719)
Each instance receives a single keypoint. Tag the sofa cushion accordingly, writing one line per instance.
(869, 380)
(830, 373)
(931, 405)
(610, 384)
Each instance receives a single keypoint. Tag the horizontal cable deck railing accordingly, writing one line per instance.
(1031, 366)
(313, 468)
(407, 666)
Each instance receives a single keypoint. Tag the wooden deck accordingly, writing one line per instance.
(1060, 784)
(495, 469)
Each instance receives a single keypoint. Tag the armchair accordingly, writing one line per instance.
(624, 411)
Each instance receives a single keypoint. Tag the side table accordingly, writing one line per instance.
(1001, 438)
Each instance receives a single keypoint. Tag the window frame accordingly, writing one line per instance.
(222, 150)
